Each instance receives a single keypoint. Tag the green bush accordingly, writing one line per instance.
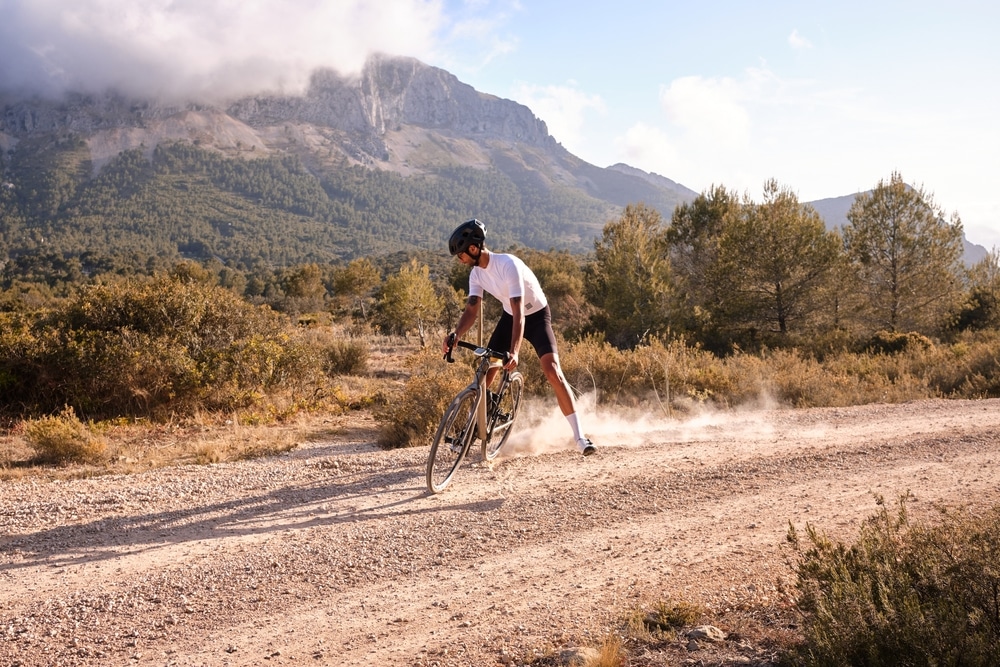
(63, 438)
(904, 593)
(149, 347)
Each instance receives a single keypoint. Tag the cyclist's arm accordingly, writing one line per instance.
(465, 322)
(517, 331)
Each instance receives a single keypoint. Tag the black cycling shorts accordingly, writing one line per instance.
(537, 331)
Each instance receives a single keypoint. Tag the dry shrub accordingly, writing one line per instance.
(874, 378)
(346, 357)
(611, 653)
(676, 375)
(903, 593)
(671, 615)
(337, 351)
(411, 417)
(240, 443)
(150, 347)
(894, 342)
(63, 438)
(673, 373)
(968, 368)
(594, 364)
(802, 381)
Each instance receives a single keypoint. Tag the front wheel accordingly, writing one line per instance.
(452, 440)
(502, 416)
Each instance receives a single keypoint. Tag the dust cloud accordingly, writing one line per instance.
(541, 428)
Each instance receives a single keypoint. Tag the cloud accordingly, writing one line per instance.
(201, 48)
(738, 132)
(797, 41)
(710, 110)
(645, 144)
(563, 108)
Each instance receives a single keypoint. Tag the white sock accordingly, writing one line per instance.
(574, 423)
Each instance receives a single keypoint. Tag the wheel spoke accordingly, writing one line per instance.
(451, 442)
(510, 402)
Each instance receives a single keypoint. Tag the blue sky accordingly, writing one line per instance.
(827, 98)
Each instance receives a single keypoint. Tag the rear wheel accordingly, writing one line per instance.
(452, 439)
(503, 419)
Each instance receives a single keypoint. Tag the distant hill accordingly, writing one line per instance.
(381, 163)
(834, 213)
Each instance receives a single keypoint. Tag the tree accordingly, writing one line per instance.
(773, 258)
(695, 231)
(356, 281)
(906, 256)
(409, 301)
(629, 278)
(980, 308)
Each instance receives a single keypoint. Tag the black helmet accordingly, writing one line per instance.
(468, 233)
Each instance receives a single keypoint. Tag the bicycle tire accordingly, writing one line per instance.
(452, 440)
(503, 418)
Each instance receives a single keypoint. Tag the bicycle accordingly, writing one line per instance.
(468, 416)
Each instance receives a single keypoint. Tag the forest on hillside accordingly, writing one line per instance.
(58, 221)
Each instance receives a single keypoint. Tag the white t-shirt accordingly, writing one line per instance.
(506, 277)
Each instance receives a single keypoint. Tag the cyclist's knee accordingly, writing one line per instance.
(551, 368)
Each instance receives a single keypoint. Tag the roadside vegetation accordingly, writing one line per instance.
(905, 591)
(732, 302)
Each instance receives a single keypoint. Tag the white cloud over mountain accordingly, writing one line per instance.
(201, 48)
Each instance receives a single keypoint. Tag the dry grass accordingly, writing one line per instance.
(137, 446)
(63, 438)
(611, 653)
(406, 388)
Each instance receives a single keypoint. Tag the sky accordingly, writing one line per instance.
(827, 98)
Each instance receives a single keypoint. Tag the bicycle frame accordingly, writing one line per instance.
(482, 371)
(473, 414)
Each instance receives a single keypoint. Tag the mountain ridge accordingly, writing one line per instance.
(399, 116)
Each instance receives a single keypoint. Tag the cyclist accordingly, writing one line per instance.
(526, 314)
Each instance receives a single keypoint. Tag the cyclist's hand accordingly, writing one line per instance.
(511, 361)
(448, 345)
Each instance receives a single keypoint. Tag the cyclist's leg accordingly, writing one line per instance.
(554, 374)
(538, 331)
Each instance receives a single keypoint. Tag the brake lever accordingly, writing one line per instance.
(451, 346)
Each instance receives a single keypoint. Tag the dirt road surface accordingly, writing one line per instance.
(335, 554)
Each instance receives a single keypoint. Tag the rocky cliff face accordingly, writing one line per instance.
(356, 113)
(391, 93)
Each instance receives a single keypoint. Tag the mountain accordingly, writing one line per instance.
(380, 163)
(388, 160)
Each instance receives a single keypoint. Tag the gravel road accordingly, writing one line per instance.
(335, 554)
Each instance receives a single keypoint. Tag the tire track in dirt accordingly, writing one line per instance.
(342, 558)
